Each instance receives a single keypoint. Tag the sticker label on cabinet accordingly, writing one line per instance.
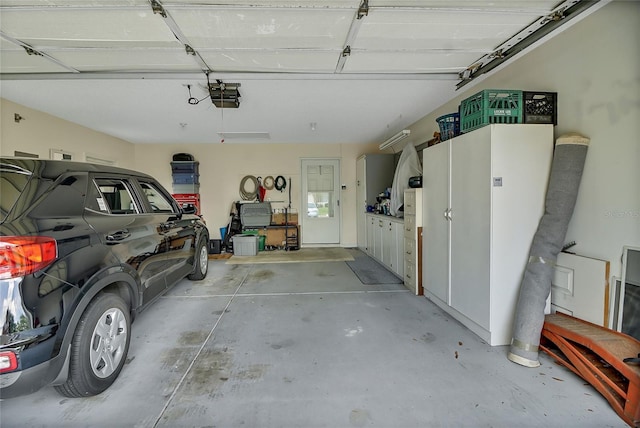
(497, 181)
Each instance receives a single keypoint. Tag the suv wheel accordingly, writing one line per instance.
(201, 261)
(99, 347)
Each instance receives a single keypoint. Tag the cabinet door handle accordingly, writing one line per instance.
(447, 214)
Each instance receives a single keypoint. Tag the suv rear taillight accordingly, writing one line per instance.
(24, 255)
(8, 361)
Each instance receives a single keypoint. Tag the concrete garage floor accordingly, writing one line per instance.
(308, 345)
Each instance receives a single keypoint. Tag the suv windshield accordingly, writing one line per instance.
(13, 180)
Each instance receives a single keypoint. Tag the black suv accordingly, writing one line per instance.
(83, 248)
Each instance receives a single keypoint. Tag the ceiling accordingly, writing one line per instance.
(310, 71)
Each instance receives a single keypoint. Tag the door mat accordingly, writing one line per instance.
(369, 271)
(220, 256)
(302, 255)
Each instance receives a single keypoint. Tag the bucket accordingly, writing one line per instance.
(262, 239)
(223, 231)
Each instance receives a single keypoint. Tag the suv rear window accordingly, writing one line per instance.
(13, 179)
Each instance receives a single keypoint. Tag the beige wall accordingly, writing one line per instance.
(40, 132)
(594, 66)
(222, 167)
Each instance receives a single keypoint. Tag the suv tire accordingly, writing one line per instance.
(99, 347)
(201, 262)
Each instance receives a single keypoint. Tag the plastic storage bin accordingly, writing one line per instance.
(186, 178)
(245, 245)
(185, 167)
(186, 188)
(449, 126)
(491, 106)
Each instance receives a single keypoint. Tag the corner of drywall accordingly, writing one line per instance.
(594, 66)
(39, 133)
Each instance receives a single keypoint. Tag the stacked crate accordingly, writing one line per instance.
(507, 106)
(186, 182)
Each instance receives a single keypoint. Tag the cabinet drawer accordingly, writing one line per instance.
(409, 202)
(409, 226)
(410, 249)
(410, 275)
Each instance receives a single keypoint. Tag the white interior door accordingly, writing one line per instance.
(320, 201)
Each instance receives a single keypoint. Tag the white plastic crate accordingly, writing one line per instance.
(245, 245)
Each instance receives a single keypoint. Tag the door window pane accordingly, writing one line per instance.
(320, 193)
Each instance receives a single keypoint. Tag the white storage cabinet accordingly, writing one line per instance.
(385, 241)
(483, 198)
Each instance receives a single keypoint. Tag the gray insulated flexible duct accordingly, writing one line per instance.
(564, 181)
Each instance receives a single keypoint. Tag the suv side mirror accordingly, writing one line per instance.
(189, 209)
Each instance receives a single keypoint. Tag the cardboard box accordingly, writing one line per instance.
(276, 237)
(279, 218)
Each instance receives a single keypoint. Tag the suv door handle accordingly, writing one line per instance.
(119, 235)
(167, 226)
